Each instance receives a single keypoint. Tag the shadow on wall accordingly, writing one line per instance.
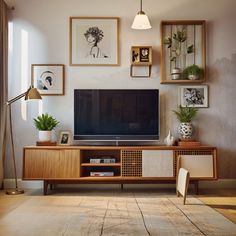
(220, 126)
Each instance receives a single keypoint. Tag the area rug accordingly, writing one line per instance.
(112, 213)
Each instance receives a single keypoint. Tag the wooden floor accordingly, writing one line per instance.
(109, 212)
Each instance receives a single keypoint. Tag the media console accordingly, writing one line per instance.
(117, 164)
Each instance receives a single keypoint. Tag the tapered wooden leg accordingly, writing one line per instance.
(121, 186)
(51, 186)
(45, 187)
(196, 187)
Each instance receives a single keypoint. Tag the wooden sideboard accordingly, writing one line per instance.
(129, 164)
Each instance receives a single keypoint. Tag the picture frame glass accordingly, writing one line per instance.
(94, 41)
(194, 96)
(64, 138)
(48, 79)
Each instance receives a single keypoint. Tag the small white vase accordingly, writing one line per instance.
(45, 135)
(169, 140)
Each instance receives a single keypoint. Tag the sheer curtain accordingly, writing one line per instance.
(3, 78)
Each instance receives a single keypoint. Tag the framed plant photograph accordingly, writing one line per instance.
(196, 96)
(48, 78)
(94, 41)
(65, 138)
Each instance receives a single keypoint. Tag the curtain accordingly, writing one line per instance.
(3, 79)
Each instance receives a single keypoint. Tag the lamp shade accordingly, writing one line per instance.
(32, 93)
(141, 21)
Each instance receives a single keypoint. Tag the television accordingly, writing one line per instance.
(128, 115)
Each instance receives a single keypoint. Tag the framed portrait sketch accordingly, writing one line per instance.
(65, 138)
(196, 96)
(48, 78)
(94, 41)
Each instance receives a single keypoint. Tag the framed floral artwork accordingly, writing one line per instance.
(48, 78)
(196, 96)
(94, 41)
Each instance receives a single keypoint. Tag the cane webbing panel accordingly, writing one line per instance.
(131, 163)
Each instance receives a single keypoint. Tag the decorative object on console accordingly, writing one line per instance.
(94, 41)
(185, 116)
(141, 61)
(141, 20)
(48, 78)
(65, 138)
(45, 124)
(183, 45)
(169, 140)
(30, 94)
(196, 96)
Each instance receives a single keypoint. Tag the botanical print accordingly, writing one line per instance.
(194, 96)
(94, 41)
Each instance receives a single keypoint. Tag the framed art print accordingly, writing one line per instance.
(196, 96)
(65, 138)
(94, 41)
(48, 78)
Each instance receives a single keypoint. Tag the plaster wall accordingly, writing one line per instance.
(39, 34)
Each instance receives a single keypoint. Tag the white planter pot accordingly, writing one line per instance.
(45, 135)
(186, 130)
(193, 77)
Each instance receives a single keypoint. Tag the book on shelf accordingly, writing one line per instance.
(111, 173)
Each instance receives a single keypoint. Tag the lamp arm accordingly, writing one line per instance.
(18, 97)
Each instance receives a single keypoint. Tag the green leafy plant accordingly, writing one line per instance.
(193, 70)
(45, 122)
(175, 44)
(185, 114)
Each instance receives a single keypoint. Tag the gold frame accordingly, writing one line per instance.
(115, 59)
(42, 92)
(201, 25)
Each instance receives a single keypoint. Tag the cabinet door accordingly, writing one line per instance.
(200, 166)
(157, 163)
(51, 164)
(40, 163)
(69, 164)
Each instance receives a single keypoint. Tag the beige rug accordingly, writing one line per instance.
(106, 213)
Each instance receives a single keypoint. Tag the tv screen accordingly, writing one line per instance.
(116, 114)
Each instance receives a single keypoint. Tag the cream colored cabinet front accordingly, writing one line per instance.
(157, 163)
(199, 166)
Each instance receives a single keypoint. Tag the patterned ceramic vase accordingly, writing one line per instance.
(186, 130)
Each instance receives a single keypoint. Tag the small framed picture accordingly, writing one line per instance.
(141, 55)
(65, 138)
(48, 78)
(144, 54)
(196, 96)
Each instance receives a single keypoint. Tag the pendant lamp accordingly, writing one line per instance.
(141, 20)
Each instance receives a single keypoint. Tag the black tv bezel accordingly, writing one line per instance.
(126, 138)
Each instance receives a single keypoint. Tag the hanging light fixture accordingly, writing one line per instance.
(141, 20)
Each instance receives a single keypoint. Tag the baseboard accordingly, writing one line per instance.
(218, 184)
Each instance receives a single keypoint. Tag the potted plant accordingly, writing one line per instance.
(185, 116)
(193, 72)
(45, 124)
(176, 45)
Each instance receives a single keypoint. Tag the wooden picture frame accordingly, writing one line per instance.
(48, 78)
(193, 96)
(65, 138)
(94, 41)
(183, 43)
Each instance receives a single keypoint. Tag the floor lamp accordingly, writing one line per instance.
(31, 94)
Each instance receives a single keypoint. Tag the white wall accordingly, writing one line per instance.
(40, 32)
